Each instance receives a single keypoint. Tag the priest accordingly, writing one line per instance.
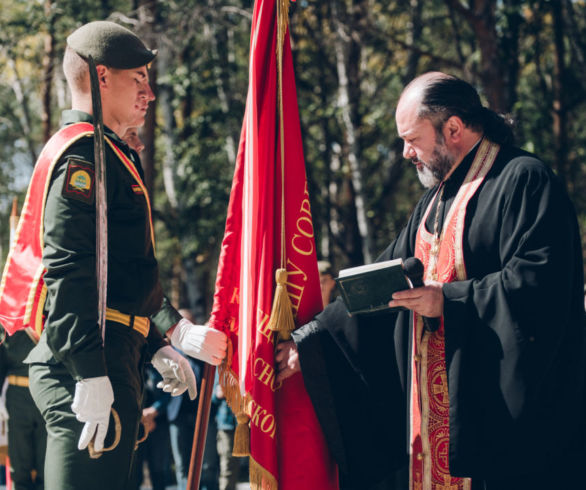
(490, 393)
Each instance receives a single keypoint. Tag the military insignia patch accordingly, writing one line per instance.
(79, 181)
(137, 189)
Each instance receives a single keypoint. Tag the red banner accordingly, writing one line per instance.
(287, 448)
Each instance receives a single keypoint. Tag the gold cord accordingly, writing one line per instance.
(282, 22)
(436, 240)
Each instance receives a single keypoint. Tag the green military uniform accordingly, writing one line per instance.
(27, 437)
(70, 348)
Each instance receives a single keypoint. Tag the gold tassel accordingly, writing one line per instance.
(241, 436)
(281, 320)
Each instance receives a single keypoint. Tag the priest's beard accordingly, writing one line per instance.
(434, 171)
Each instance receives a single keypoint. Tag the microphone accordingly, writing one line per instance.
(414, 271)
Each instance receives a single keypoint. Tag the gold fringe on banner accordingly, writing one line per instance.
(281, 319)
(261, 479)
(240, 405)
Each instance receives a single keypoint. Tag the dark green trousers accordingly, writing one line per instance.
(27, 439)
(53, 388)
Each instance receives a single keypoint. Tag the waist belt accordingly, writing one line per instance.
(15, 380)
(139, 323)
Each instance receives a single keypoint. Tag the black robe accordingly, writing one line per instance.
(514, 340)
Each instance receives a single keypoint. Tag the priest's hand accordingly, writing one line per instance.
(427, 301)
(287, 358)
(199, 341)
(91, 404)
(176, 372)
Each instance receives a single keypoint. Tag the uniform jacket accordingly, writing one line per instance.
(71, 335)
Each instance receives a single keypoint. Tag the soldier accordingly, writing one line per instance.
(27, 437)
(89, 393)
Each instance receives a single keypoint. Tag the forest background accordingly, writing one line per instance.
(352, 58)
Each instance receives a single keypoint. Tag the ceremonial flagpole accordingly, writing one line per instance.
(201, 427)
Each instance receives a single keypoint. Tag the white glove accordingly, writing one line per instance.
(3, 412)
(91, 404)
(199, 341)
(176, 371)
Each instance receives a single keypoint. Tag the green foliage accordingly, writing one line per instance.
(202, 94)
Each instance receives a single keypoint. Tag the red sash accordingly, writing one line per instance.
(429, 418)
(22, 290)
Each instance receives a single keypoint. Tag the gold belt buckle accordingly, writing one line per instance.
(139, 323)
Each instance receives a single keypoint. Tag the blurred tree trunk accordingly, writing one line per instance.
(147, 13)
(576, 39)
(324, 212)
(217, 36)
(348, 50)
(24, 121)
(559, 109)
(414, 30)
(168, 131)
(510, 42)
(481, 17)
(48, 70)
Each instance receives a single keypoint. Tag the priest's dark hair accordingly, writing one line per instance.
(446, 96)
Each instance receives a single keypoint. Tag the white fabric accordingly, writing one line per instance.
(3, 411)
(200, 341)
(176, 372)
(91, 404)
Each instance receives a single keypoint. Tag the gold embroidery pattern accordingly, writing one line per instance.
(429, 418)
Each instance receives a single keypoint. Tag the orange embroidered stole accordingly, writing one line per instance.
(443, 260)
(22, 290)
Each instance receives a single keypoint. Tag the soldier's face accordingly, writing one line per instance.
(129, 95)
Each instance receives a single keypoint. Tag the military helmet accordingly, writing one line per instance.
(111, 45)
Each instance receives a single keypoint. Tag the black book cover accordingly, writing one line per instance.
(368, 288)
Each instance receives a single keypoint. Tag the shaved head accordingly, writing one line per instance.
(76, 72)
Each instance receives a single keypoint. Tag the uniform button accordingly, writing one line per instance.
(419, 456)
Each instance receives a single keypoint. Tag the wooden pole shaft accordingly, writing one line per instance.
(201, 427)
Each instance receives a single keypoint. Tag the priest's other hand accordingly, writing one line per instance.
(427, 301)
(176, 372)
(287, 359)
(91, 404)
(199, 341)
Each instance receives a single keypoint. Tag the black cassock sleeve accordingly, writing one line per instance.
(515, 329)
(355, 371)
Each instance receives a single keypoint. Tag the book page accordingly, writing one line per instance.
(370, 267)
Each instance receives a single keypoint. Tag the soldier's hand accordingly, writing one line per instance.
(199, 341)
(91, 404)
(176, 372)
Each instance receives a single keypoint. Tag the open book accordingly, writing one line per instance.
(368, 288)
